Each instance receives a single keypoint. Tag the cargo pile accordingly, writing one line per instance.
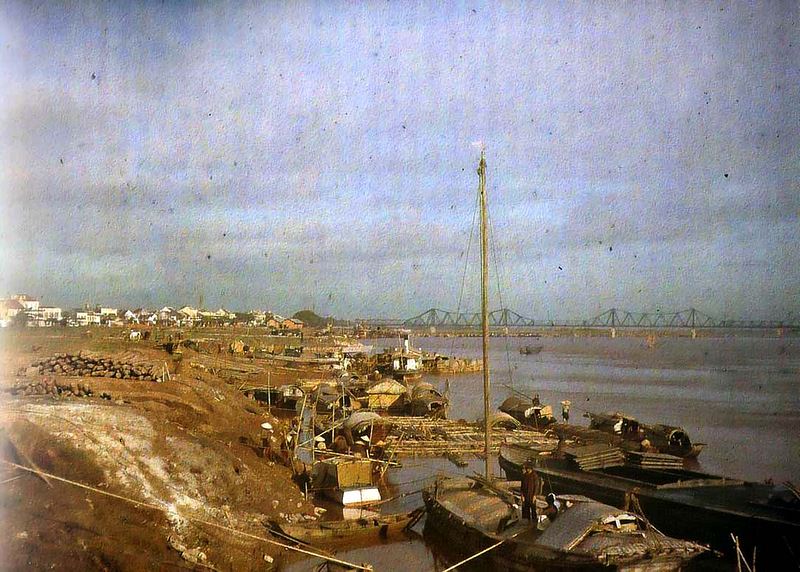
(50, 386)
(654, 460)
(89, 365)
(596, 456)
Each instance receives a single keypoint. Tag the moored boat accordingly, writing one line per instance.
(426, 401)
(286, 397)
(528, 411)
(403, 364)
(348, 481)
(680, 502)
(386, 395)
(481, 516)
(585, 534)
(333, 531)
(663, 438)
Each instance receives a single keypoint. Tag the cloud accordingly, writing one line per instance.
(304, 154)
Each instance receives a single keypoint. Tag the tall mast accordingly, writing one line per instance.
(485, 314)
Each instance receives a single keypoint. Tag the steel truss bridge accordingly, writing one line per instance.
(437, 317)
(614, 318)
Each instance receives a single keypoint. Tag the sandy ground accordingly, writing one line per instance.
(186, 447)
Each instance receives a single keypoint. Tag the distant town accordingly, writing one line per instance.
(24, 310)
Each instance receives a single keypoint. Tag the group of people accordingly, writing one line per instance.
(531, 488)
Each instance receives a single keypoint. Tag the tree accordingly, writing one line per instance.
(20, 320)
(309, 318)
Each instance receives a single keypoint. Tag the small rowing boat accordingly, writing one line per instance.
(332, 531)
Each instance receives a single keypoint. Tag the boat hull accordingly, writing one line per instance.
(517, 556)
(355, 497)
(708, 514)
(346, 530)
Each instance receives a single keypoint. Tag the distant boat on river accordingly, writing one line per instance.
(530, 350)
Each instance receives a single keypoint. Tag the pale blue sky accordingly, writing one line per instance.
(283, 156)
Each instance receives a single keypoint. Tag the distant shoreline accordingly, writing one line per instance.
(309, 334)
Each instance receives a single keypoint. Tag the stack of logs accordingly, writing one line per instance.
(595, 456)
(654, 460)
(50, 386)
(87, 365)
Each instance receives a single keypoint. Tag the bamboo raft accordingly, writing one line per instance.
(426, 437)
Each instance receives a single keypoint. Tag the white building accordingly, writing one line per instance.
(9, 308)
(30, 304)
(87, 318)
(48, 316)
(189, 316)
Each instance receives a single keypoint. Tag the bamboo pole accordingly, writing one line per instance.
(299, 430)
(485, 314)
(331, 428)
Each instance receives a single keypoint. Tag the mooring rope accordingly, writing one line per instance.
(484, 551)
(189, 518)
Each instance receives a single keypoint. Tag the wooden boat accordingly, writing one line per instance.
(287, 397)
(530, 350)
(403, 364)
(349, 482)
(478, 515)
(426, 401)
(333, 531)
(517, 455)
(301, 360)
(528, 411)
(330, 398)
(681, 503)
(665, 438)
(585, 535)
(386, 395)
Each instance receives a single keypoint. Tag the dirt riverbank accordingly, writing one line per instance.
(187, 448)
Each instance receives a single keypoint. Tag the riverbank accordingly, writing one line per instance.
(187, 449)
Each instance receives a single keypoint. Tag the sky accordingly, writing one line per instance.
(644, 156)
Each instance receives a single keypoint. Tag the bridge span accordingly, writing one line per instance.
(613, 317)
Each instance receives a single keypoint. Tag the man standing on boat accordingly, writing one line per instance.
(530, 486)
(565, 410)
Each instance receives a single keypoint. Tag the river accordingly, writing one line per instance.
(739, 395)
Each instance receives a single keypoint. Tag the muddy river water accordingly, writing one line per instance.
(739, 395)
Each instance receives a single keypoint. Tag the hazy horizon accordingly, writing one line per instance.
(322, 155)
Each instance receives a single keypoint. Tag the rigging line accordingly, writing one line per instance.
(493, 243)
(466, 264)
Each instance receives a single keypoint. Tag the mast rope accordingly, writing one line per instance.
(493, 244)
(475, 209)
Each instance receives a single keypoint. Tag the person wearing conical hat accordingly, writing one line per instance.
(565, 410)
